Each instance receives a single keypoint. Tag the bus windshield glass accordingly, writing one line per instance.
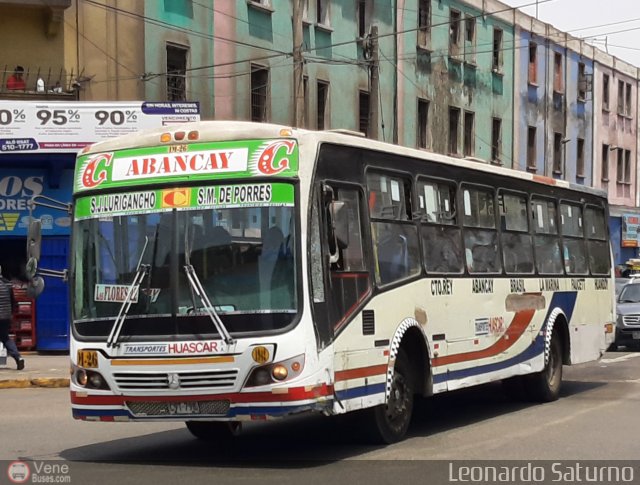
(243, 254)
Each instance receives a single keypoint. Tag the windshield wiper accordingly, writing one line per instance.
(141, 272)
(197, 287)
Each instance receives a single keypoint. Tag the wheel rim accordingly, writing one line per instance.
(398, 407)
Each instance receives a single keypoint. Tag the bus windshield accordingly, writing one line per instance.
(243, 256)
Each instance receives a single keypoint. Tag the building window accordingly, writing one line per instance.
(321, 109)
(470, 39)
(604, 169)
(627, 100)
(454, 32)
(454, 120)
(624, 167)
(423, 123)
(496, 140)
(363, 17)
(531, 148)
(558, 85)
(259, 92)
(605, 92)
(364, 112)
(322, 12)
(621, 97)
(533, 63)
(424, 22)
(497, 50)
(177, 72)
(582, 82)
(469, 137)
(580, 158)
(557, 153)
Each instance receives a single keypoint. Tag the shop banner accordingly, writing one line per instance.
(16, 189)
(45, 127)
(192, 161)
(211, 197)
(630, 223)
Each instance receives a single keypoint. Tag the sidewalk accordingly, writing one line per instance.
(40, 370)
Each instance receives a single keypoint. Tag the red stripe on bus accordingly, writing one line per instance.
(519, 324)
(292, 394)
(374, 370)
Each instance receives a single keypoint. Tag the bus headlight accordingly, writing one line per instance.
(90, 379)
(276, 372)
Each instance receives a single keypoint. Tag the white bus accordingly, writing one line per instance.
(229, 271)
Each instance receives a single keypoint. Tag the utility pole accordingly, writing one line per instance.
(298, 90)
(375, 84)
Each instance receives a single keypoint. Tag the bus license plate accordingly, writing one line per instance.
(183, 408)
(88, 358)
(635, 335)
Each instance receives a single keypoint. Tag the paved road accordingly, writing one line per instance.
(596, 418)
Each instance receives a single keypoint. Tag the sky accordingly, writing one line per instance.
(605, 20)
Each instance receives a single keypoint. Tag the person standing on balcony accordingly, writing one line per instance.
(15, 81)
(7, 305)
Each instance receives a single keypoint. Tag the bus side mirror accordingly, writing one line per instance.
(34, 239)
(340, 223)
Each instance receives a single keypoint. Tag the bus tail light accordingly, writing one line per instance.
(165, 137)
(193, 135)
(608, 327)
(179, 135)
(276, 372)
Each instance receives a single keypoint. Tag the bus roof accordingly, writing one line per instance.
(223, 130)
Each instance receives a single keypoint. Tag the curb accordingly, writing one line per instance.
(50, 382)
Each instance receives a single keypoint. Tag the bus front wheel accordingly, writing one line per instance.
(389, 422)
(214, 430)
(544, 386)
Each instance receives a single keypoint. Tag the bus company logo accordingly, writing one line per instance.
(18, 472)
(176, 198)
(94, 172)
(271, 160)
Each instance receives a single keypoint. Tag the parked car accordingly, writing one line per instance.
(628, 315)
(620, 282)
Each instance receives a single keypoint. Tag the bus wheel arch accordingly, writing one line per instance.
(545, 386)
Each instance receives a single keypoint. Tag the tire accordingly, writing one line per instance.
(214, 430)
(388, 423)
(545, 385)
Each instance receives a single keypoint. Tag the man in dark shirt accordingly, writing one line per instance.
(7, 305)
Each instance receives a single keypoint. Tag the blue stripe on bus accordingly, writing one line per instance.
(361, 391)
(565, 300)
(77, 412)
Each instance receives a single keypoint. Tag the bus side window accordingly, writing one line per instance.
(395, 236)
(517, 247)
(574, 247)
(546, 244)
(440, 234)
(596, 232)
(480, 234)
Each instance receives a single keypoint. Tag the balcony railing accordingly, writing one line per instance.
(37, 83)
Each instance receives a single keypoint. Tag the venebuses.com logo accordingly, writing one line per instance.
(18, 472)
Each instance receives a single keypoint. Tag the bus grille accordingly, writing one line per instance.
(155, 408)
(186, 380)
(631, 319)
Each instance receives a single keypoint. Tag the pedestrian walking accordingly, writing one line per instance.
(7, 304)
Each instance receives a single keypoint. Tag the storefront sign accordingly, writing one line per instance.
(28, 127)
(630, 224)
(16, 189)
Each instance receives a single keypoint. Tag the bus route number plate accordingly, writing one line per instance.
(88, 358)
(183, 408)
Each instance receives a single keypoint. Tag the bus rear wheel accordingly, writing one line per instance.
(545, 385)
(389, 422)
(214, 430)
